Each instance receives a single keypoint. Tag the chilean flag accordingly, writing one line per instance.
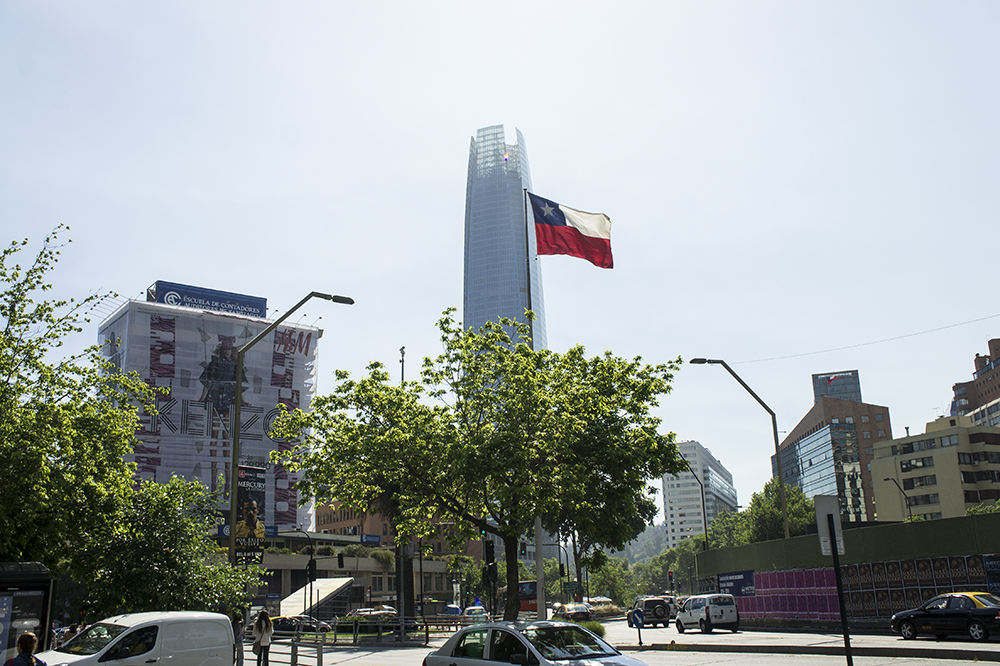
(563, 230)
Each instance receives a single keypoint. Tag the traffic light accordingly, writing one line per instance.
(523, 549)
(670, 578)
(311, 569)
(340, 560)
(562, 569)
(489, 557)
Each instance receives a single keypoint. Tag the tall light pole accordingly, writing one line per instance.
(704, 508)
(235, 463)
(774, 427)
(906, 498)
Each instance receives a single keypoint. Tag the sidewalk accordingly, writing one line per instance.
(797, 643)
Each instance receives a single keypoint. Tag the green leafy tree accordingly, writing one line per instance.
(65, 426)
(160, 556)
(763, 516)
(505, 442)
(612, 579)
(610, 451)
(982, 507)
(729, 529)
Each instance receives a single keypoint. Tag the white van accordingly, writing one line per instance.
(707, 612)
(167, 638)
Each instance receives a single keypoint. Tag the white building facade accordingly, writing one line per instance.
(683, 512)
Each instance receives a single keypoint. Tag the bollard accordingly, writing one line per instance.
(319, 650)
(295, 653)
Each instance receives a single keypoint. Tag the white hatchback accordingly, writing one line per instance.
(707, 612)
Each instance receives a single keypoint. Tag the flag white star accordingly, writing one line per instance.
(547, 209)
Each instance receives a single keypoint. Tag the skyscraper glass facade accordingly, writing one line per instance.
(827, 462)
(500, 263)
(845, 385)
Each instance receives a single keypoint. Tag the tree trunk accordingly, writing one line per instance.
(513, 604)
(577, 567)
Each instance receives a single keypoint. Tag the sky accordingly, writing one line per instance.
(794, 188)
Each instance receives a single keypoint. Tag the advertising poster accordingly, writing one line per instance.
(192, 354)
(251, 483)
(737, 583)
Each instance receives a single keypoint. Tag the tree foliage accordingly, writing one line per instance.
(983, 507)
(512, 434)
(159, 555)
(64, 426)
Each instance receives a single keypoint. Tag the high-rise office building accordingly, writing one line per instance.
(682, 494)
(502, 274)
(845, 385)
(830, 450)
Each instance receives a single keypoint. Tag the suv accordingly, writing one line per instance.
(707, 612)
(655, 611)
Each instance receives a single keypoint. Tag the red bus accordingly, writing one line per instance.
(527, 592)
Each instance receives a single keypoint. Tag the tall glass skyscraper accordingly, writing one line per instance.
(498, 261)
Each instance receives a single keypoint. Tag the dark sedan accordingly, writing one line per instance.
(573, 612)
(975, 614)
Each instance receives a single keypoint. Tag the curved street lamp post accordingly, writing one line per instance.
(235, 462)
(774, 427)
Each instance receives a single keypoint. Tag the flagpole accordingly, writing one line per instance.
(527, 268)
(539, 554)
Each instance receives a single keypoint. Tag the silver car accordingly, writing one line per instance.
(527, 643)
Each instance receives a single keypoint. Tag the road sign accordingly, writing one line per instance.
(828, 505)
(638, 618)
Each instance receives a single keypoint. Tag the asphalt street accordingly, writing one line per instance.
(666, 647)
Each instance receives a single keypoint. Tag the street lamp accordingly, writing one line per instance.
(309, 569)
(906, 499)
(235, 464)
(774, 427)
(704, 508)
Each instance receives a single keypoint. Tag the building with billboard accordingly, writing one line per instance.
(500, 279)
(845, 385)
(184, 339)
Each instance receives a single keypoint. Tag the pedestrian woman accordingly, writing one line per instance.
(26, 644)
(262, 631)
(238, 635)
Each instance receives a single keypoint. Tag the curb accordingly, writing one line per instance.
(856, 651)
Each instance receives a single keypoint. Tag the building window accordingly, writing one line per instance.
(866, 434)
(916, 463)
(917, 500)
(919, 481)
(949, 440)
(879, 418)
(376, 583)
(849, 419)
(880, 433)
(869, 451)
(864, 418)
(834, 420)
(390, 583)
(439, 582)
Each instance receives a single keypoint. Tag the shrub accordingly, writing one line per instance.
(324, 550)
(593, 626)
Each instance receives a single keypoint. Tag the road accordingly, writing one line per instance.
(665, 647)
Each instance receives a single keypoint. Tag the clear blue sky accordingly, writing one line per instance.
(783, 177)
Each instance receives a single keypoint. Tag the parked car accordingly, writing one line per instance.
(371, 619)
(976, 614)
(179, 638)
(311, 624)
(452, 609)
(476, 614)
(574, 612)
(542, 643)
(708, 612)
(654, 611)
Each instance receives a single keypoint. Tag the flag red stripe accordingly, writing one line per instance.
(568, 240)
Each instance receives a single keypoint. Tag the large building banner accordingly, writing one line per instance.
(192, 353)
